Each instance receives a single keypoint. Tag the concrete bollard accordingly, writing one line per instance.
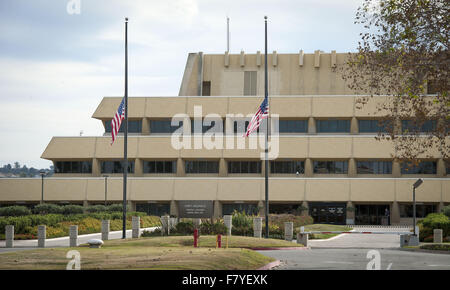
(105, 229)
(165, 225)
(42, 235)
(257, 227)
(73, 233)
(228, 221)
(197, 223)
(437, 236)
(9, 236)
(136, 227)
(302, 239)
(288, 231)
(173, 222)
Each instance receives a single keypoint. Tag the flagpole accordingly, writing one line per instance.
(266, 167)
(125, 153)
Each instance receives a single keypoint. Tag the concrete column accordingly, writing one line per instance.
(396, 169)
(440, 170)
(257, 227)
(9, 236)
(73, 233)
(352, 170)
(312, 126)
(440, 206)
(437, 236)
(217, 209)
(395, 213)
(85, 203)
(138, 168)
(96, 168)
(309, 167)
(136, 227)
(105, 230)
(288, 231)
(173, 208)
(354, 126)
(131, 204)
(305, 204)
(350, 220)
(227, 219)
(165, 229)
(180, 168)
(42, 234)
(145, 126)
(302, 239)
(223, 172)
(262, 208)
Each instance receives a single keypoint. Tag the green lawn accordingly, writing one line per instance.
(151, 253)
(325, 228)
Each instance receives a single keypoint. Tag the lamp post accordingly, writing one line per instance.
(106, 188)
(415, 185)
(42, 173)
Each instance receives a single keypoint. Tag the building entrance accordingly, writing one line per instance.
(372, 214)
(328, 213)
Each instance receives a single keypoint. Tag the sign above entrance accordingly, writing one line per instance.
(195, 208)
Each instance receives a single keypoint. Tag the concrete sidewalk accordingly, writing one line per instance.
(63, 242)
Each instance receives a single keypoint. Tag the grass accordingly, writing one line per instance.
(325, 228)
(150, 253)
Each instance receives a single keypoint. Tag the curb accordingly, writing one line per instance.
(425, 251)
(275, 249)
(270, 265)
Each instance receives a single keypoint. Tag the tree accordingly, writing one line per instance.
(403, 54)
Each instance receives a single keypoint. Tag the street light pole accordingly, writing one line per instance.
(415, 185)
(42, 186)
(106, 189)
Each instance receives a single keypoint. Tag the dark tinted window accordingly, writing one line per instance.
(73, 167)
(422, 210)
(333, 126)
(240, 126)
(293, 126)
(371, 126)
(206, 90)
(218, 128)
(160, 166)
(374, 167)
(134, 126)
(116, 166)
(162, 127)
(248, 208)
(287, 167)
(424, 167)
(447, 167)
(333, 167)
(244, 167)
(202, 167)
(154, 209)
(412, 126)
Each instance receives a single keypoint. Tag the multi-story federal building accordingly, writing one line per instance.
(328, 163)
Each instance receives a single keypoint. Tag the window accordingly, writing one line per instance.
(134, 126)
(162, 127)
(206, 90)
(248, 208)
(287, 167)
(244, 167)
(413, 126)
(65, 167)
(374, 167)
(372, 126)
(197, 166)
(424, 167)
(157, 167)
(250, 83)
(293, 126)
(447, 167)
(422, 210)
(154, 209)
(116, 166)
(216, 127)
(333, 126)
(331, 167)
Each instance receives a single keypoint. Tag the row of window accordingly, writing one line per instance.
(285, 126)
(249, 167)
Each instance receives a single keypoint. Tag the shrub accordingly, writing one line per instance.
(47, 209)
(14, 211)
(116, 207)
(446, 210)
(96, 208)
(241, 219)
(437, 221)
(215, 228)
(436, 247)
(72, 209)
(184, 228)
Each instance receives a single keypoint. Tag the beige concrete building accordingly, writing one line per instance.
(328, 163)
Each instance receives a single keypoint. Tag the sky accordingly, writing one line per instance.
(59, 59)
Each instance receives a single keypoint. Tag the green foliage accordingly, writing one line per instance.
(434, 221)
(116, 207)
(446, 210)
(184, 228)
(96, 208)
(241, 219)
(436, 247)
(47, 208)
(72, 209)
(213, 228)
(14, 211)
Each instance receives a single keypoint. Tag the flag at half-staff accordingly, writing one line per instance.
(117, 120)
(261, 114)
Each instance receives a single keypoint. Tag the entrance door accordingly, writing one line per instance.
(371, 214)
(328, 213)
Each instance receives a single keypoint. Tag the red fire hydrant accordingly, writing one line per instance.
(196, 238)
(219, 241)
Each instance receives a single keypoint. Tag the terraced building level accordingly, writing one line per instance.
(328, 163)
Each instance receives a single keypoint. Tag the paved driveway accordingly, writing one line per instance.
(356, 259)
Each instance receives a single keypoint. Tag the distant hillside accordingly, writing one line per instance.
(16, 171)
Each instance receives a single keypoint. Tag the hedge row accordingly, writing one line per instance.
(15, 211)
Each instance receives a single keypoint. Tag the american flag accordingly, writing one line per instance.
(262, 113)
(117, 120)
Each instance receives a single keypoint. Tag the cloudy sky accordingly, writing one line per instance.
(56, 66)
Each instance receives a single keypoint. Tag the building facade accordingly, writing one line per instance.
(327, 162)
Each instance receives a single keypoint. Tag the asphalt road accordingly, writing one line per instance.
(358, 259)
